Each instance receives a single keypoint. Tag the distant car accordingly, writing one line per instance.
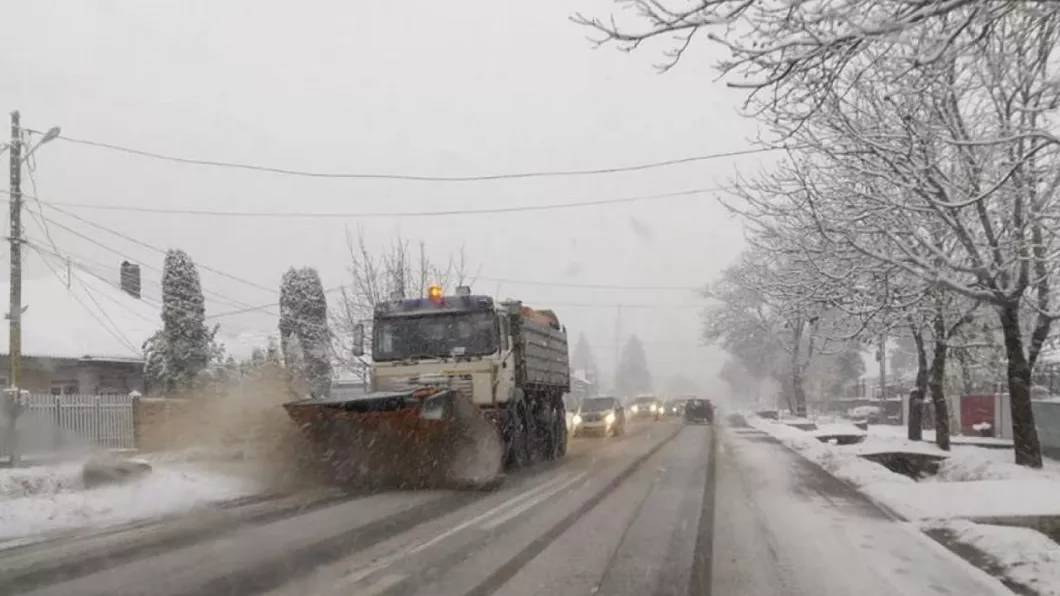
(674, 407)
(599, 416)
(699, 410)
(646, 406)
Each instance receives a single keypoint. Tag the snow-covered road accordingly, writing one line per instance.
(659, 511)
(785, 526)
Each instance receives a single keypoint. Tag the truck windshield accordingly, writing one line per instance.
(435, 336)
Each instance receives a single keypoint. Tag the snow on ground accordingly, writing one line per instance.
(47, 499)
(899, 431)
(1024, 556)
(973, 483)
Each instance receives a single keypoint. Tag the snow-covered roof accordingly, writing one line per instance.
(90, 318)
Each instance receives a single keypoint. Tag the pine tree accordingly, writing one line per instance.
(304, 335)
(583, 359)
(184, 348)
(633, 376)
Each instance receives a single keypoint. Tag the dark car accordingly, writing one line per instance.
(699, 411)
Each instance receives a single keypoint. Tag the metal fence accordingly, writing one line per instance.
(52, 424)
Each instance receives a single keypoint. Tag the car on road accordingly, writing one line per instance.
(699, 410)
(674, 407)
(599, 416)
(646, 406)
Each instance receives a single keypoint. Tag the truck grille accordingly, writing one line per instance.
(462, 383)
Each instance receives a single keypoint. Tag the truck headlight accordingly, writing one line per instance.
(634, 409)
(653, 408)
(610, 418)
(576, 420)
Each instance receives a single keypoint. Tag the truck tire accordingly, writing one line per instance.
(555, 443)
(518, 439)
(561, 434)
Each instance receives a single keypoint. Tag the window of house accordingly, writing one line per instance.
(64, 387)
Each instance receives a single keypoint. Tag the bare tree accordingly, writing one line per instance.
(789, 55)
(946, 174)
(400, 269)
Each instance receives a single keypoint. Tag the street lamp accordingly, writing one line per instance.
(49, 136)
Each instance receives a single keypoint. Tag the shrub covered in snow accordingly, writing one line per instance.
(304, 335)
(179, 353)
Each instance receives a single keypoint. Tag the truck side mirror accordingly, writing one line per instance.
(358, 340)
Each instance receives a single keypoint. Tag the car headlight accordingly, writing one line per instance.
(577, 419)
(653, 407)
(610, 418)
(634, 409)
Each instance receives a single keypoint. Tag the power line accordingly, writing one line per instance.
(115, 332)
(214, 295)
(157, 249)
(556, 284)
(82, 266)
(417, 177)
(394, 214)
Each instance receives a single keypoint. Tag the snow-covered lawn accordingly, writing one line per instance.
(973, 483)
(42, 500)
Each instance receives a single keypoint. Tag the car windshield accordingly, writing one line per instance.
(597, 404)
(435, 336)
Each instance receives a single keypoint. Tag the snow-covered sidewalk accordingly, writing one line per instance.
(973, 484)
(42, 500)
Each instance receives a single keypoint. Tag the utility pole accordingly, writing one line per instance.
(12, 396)
(14, 316)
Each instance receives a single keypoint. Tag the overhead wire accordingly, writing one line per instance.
(81, 266)
(113, 330)
(387, 214)
(418, 177)
(94, 241)
(151, 247)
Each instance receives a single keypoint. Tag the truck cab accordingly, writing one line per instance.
(511, 360)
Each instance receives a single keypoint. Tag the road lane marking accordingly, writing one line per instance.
(385, 583)
(497, 521)
(387, 561)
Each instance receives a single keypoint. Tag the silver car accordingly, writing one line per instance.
(599, 416)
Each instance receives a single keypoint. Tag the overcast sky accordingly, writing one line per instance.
(415, 87)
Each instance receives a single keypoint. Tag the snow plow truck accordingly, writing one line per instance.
(462, 389)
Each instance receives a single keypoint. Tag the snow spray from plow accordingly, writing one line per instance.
(425, 437)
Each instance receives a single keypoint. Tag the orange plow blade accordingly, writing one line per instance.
(423, 438)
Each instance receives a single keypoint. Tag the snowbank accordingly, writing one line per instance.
(1023, 556)
(48, 499)
(972, 483)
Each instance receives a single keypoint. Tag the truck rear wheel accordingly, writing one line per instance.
(517, 439)
(561, 430)
(558, 440)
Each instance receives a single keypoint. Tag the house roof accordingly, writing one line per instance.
(86, 319)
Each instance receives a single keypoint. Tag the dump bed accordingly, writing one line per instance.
(547, 358)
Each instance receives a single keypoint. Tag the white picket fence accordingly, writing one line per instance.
(53, 424)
